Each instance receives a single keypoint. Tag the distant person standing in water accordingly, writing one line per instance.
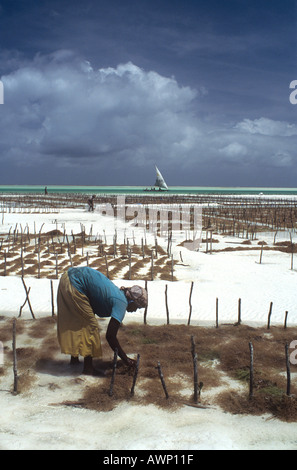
(91, 203)
(82, 294)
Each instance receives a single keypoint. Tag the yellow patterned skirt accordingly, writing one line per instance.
(78, 331)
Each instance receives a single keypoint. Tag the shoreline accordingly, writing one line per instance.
(150, 191)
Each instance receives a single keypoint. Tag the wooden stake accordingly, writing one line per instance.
(38, 257)
(22, 306)
(70, 257)
(135, 375)
(217, 313)
(166, 302)
(162, 379)
(22, 262)
(288, 370)
(193, 347)
(57, 275)
(181, 257)
(261, 253)
(251, 394)
(286, 317)
(195, 378)
(190, 304)
(15, 371)
(114, 246)
(52, 298)
(145, 310)
(106, 264)
(115, 357)
(152, 266)
(130, 271)
(269, 315)
(239, 312)
(27, 299)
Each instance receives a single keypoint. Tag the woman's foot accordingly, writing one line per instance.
(74, 361)
(90, 370)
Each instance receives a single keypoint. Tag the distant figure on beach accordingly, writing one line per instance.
(83, 293)
(45, 190)
(91, 203)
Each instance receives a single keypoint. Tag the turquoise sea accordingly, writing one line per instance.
(40, 189)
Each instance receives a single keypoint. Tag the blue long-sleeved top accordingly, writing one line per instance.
(105, 298)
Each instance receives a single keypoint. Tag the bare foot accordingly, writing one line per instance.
(89, 369)
(74, 361)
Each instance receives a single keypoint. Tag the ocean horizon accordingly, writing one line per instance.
(55, 189)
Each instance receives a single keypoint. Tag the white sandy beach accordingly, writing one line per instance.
(34, 420)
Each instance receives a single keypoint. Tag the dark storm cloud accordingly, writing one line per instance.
(59, 106)
(103, 90)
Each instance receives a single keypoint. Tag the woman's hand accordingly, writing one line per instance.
(130, 362)
(111, 336)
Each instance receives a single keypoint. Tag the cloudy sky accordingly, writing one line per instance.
(97, 92)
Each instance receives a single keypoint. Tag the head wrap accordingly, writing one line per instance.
(138, 295)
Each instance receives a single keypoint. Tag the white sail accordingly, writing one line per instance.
(160, 182)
